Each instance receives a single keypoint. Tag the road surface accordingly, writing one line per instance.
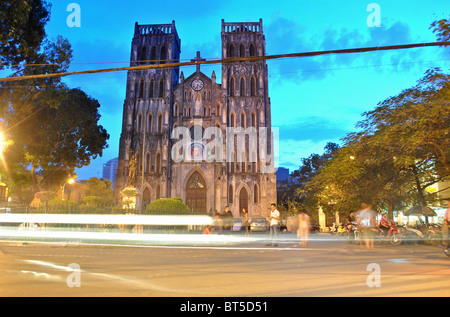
(323, 268)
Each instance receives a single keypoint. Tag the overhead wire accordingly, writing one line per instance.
(227, 60)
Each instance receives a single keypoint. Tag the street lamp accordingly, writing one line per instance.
(69, 181)
(3, 142)
(3, 145)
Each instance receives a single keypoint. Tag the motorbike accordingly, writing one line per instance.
(412, 234)
(333, 228)
(338, 229)
(393, 236)
(351, 228)
(432, 234)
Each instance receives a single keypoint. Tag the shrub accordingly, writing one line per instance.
(167, 206)
(92, 201)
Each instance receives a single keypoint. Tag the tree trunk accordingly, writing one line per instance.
(419, 190)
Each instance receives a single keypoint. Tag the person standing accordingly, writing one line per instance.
(445, 227)
(303, 228)
(227, 218)
(351, 226)
(274, 223)
(245, 221)
(367, 224)
(218, 222)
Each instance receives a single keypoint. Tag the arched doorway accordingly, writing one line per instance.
(243, 200)
(196, 194)
(146, 198)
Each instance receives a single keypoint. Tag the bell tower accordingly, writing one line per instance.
(147, 112)
(245, 85)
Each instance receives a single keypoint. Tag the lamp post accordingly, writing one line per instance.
(69, 181)
(4, 143)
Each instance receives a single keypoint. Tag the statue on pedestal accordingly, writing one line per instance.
(132, 166)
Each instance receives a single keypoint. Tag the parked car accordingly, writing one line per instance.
(259, 224)
(237, 223)
(29, 226)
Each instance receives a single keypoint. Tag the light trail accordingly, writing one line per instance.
(95, 219)
(163, 238)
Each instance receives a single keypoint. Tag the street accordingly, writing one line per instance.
(325, 267)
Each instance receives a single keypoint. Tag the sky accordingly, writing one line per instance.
(314, 100)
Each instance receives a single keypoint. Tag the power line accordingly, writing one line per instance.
(358, 67)
(283, 73)
(228, 60)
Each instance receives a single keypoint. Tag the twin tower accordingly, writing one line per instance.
(194, 137)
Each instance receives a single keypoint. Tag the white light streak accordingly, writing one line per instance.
(134, 237)
(107, 219)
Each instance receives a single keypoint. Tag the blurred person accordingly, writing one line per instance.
(227, 218)
(385, 224)
(445, 227)
(245, 221)
(218, 222)
(208, 230)
(351, 225)
(274, 221)
(367, 223)
(303, 228)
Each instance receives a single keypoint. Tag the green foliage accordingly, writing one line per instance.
(296, 196)
(442, 29)
(403, 147)
(98, 191)
(52, 129)
(21, 29)
(92, 201)
(167, 206)
(61, 133)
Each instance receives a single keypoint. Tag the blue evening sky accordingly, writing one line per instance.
(314, 100)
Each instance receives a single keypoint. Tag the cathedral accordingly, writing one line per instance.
(205, 140)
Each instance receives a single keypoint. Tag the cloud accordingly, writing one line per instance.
(314, 129)
(286, 36)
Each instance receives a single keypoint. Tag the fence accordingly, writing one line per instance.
(62, 207)
(66, 207)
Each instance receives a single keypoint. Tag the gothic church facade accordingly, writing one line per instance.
(164, 108)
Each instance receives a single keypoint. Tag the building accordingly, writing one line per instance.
(282, 174)
(193, 137)
(110, 169)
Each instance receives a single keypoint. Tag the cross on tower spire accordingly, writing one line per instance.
(198, 59)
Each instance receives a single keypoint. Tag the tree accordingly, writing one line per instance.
(402, 148)
(100, 188)
(55, 138)
(291, 195)
(22, 30)
(414, 129)
(312, 164)
(442, 29)
(53, 129)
